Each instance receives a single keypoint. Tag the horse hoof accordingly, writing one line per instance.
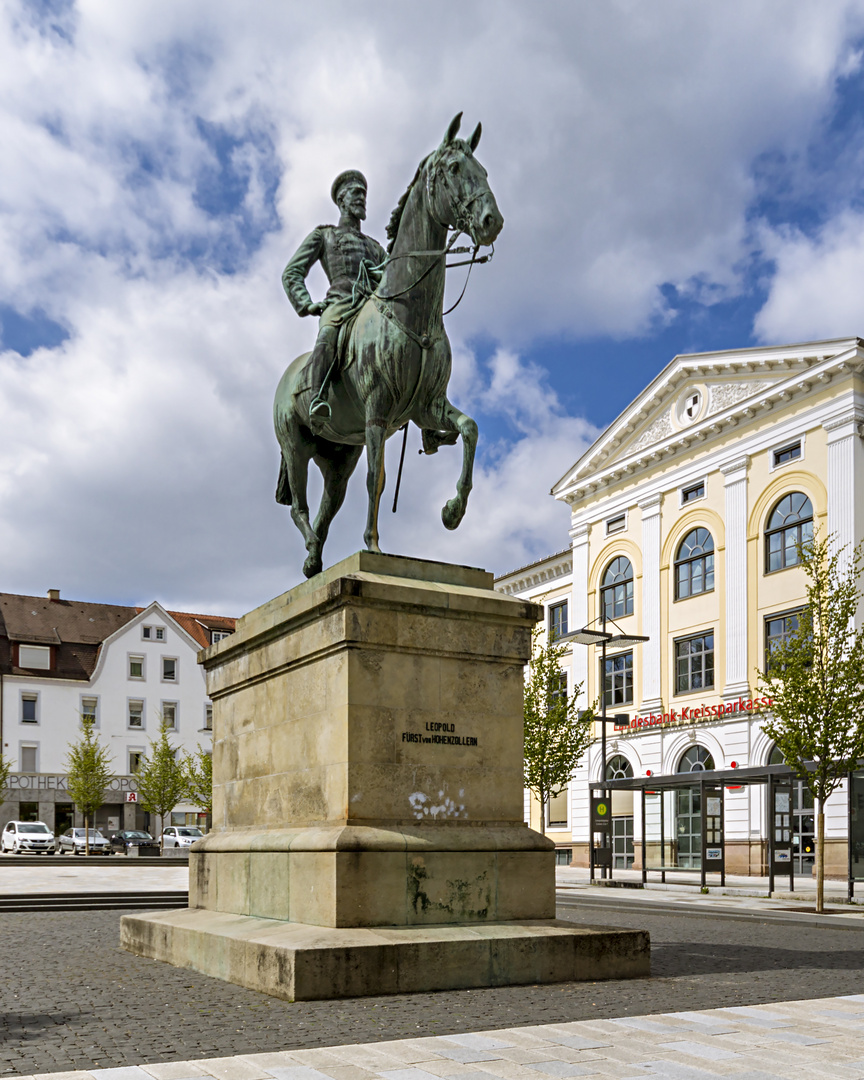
(452, 514)
(373, 547)
(312, 566)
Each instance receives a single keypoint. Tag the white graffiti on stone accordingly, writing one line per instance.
(424, 806)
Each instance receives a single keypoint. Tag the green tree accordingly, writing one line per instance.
(161, 778)
(199, 778)
(5, 769)
(556, 733)
(815, 680)
(88, 768)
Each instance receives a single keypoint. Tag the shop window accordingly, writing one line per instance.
(616, 593)
(618, 768)
(694, 564)
(618, 679)
(34, 657)
(778, 630)
(790, 524)
(28, 811)
(29, 708)
(556, 810)
(563, 856)
(694, 663)
(696, 759)
(557, 620)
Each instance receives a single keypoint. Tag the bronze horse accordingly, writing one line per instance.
(397, 358)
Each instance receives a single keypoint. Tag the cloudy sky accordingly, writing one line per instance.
(673, 177)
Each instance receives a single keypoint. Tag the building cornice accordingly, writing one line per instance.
(544, 572)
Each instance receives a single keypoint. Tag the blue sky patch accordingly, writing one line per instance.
(26, 333)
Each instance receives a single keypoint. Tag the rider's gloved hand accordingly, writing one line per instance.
(315, 309)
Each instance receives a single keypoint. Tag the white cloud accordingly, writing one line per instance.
(818, 282)
(138, 459)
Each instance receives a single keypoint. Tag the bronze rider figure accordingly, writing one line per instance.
(349, 259)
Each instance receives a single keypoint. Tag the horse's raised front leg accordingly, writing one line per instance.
(376, 437)
(296, 454)
(446, 417)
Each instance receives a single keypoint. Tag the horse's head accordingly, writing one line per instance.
(459, 193)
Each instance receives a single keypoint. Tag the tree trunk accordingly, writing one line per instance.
(542, 817)
(86, 836)
(820, 858)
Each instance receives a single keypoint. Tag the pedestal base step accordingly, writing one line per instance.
(299, 962)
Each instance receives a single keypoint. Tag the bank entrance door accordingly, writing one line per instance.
(803, 828)
(688, 820)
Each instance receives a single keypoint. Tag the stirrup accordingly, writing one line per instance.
(320, 410)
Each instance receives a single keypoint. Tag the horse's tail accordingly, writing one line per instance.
(283, 488)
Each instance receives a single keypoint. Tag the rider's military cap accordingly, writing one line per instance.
(343, 178)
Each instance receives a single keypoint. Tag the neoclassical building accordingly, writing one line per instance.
(684, 518)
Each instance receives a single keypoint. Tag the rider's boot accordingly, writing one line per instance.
(321, 373)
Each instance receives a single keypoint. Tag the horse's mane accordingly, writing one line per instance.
(396, 216)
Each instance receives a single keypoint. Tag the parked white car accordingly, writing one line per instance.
(27, 837)
(180, 835)
(75, 840)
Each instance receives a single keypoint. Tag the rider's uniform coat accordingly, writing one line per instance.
(341, 252)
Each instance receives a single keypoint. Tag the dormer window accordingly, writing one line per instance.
(218, 635)
(34, 657)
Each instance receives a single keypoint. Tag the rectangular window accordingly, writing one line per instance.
(169, 714)
(618, 679)
(616, 524)
(153, 633)
(169, 669)
(28, 756)
(136, 714)
(208, 717)
(90, 709)
(29, 708)
(136, 667)
(694, 663)
(147, 632)
(218, 635)
(778, 630)
(34, 657)
(692, 493)
(557, 620)
(135, 757)
(792, 452)
(556, 811)
(160, 633)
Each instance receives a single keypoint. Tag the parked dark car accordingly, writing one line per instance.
(122, 841)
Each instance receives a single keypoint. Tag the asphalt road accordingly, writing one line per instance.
(70, 998)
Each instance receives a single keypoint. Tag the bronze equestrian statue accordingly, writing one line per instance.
(387, 325)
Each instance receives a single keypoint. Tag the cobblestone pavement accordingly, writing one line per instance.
(812, 1039)
(70, 998)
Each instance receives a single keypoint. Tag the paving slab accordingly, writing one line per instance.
(821, 1044)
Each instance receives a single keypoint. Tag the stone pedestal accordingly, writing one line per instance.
(367, 819)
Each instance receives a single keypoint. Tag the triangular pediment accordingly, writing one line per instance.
(698, 394)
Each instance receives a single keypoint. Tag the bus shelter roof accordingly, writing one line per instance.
(759, 774)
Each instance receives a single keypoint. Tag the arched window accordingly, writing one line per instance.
(790, 523)
(696, 759)
(616, 594)
(694, 564)
(618, 768)
(776, 756)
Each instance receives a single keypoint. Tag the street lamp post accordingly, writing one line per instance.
(602, 637)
